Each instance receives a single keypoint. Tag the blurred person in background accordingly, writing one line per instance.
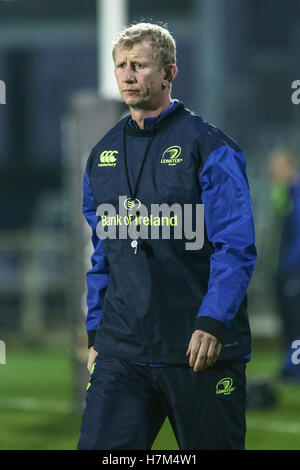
(285, 198)
(168, 328)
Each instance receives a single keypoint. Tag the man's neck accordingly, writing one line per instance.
(138, 115)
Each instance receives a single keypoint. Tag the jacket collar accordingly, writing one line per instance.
(166, 118)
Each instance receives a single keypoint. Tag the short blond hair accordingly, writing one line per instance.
(163, 43)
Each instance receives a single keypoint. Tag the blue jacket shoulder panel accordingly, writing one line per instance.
(206, 136)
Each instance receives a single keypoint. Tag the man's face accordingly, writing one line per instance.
(139, 76)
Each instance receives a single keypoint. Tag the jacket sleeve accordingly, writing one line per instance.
(97, 276)
(230, 227)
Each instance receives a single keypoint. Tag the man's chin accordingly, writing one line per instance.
(134, 102)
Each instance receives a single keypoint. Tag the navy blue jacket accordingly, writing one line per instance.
(145, 307)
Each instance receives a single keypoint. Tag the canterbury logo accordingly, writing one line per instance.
(107, 158)
(171, 155)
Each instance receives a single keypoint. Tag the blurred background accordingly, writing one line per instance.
(237, 62)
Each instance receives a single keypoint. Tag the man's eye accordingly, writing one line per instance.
(139, 66)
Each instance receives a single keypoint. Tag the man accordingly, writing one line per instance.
(168, 327)
(285, 197)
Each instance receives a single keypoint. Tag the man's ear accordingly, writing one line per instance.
(170, 72)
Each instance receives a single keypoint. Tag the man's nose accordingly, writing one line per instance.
(128, 74)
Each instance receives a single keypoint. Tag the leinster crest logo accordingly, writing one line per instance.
(171, 155)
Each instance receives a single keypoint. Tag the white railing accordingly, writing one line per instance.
(26, 271)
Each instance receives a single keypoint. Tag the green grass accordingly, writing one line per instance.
(33, 384)
(36, 404)
(277, 428)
